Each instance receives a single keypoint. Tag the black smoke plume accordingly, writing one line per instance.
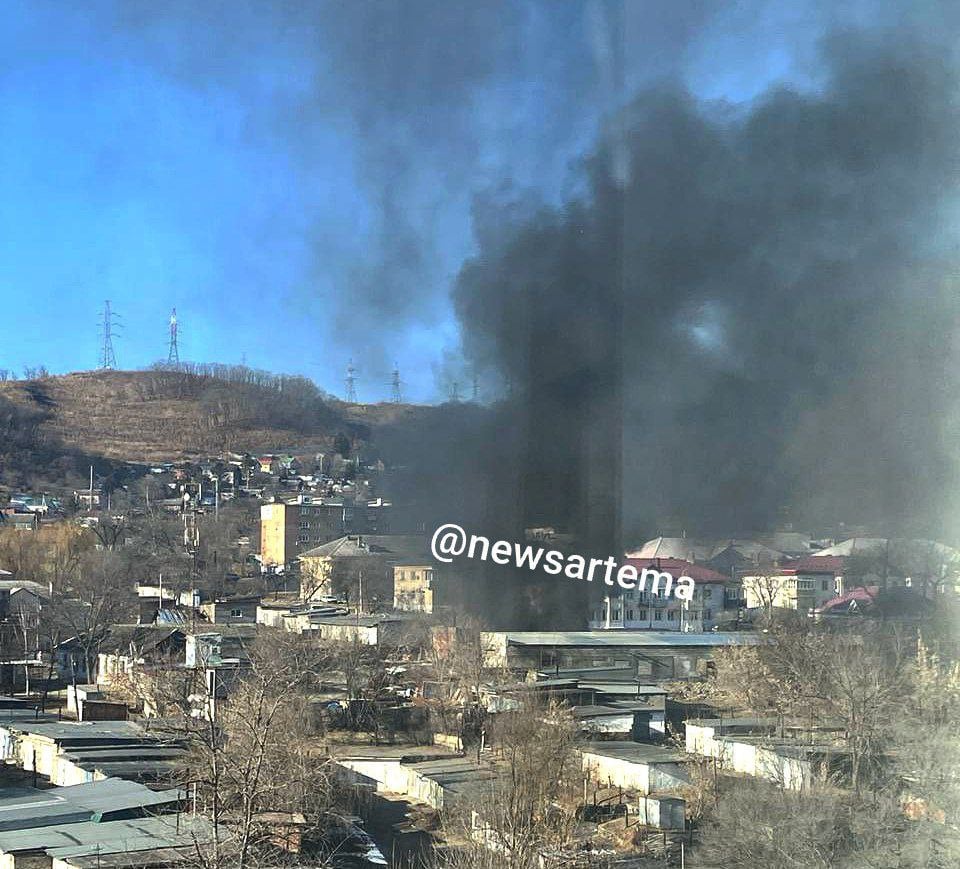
(753, 313)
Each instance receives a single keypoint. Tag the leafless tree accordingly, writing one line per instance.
(254, 751)
(531, 806)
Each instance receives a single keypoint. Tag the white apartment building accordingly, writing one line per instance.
(661, 610)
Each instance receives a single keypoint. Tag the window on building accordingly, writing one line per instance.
(630, 615)
(707, 591)
(805, 584)
(236, 613)
(616, 613)
(641, 596)
(708, 613)
(303, 538)
(825, 585)
(671, 615)
(658, 615)
(304, 524)
(643, 615)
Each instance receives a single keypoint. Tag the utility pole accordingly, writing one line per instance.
(173, 351)
(476, 384)
(108, 358)
(351, 382)
(397, 396)
(454, 393)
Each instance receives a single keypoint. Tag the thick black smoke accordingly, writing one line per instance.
(434, 100)
(751, 315)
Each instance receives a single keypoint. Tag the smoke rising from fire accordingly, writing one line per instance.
(778, 287)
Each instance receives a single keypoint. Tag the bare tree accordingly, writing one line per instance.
(457, 659)
(531, 806)
(252, 752)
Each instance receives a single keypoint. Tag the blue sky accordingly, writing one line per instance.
(297, 179)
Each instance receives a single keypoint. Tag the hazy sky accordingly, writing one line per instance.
(298, 178)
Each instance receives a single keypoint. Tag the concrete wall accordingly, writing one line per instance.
(633, 775)
(367, 636)
(8, 744)
(413, 588)
(608, 723)
(272, 617)
(101, 710)
(393, 777)
(274, 535)
(664, 813)
(24, 861)
(81, 693)
(750, 758)
(222, 612)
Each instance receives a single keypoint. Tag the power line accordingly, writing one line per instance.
(397, 395)
(108, 358)
(351, 382)
(173, 352)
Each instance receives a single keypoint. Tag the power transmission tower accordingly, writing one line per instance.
(351, 382)
(454, 393)
(108, 358)
(395, 383)
(173, 352)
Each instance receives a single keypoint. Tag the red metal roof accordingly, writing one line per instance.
(832, 564)
(861, 594)
(677, 567)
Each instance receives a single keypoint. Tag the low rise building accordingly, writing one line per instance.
(654, 607)
(70, 753)
(647, 654)
(633, 766)
(232, 610)
(422, 588)
(290, 528)
(801, 585)
(356, 566)
(749, 746)
(366, 630)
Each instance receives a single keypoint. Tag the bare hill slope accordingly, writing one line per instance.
(150, 416)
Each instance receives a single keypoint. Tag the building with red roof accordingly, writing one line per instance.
(716, 600)
(801, 584)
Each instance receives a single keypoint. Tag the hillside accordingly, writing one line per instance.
(152, 416)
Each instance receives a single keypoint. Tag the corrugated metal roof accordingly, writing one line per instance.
(391, 546)
(633, 752)
(107, 837)
(678, 567)
(83, 731)
(613, 639)
(77, 803)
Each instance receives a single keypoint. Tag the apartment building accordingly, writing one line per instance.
(289, 528)
(801, 585)
(715, 600)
